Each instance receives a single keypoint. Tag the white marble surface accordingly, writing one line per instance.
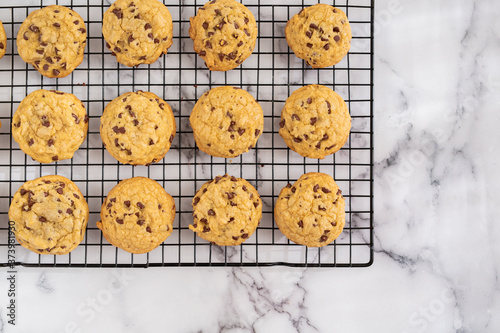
(437, 254)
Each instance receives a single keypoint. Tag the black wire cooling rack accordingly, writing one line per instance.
(270, 75)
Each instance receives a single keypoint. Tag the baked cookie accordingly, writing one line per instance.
(320, 34)
(137, 31)
(312, 211)
(52, 39)
(226, 122)
(137, 215)
(138, 128)
(226, 211)
(50, 125)
(315, 121)
(50, 215)
(3, 41)
(224, 34)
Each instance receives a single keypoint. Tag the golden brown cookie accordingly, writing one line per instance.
(224, 34)
(50, 125)
(320, 34)
(312, 211)
(3, 41)
(137, 31)
(50, 215)
(52, 39)
(137, 215)
(138, 128)
(226, 122)
(315, 121)
(226, 211)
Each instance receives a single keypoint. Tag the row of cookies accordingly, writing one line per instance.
(50, 213)
(138, 127)
(224, 32)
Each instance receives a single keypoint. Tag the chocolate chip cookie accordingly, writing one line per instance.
(315, 121)
(137, 215)
(226, 210)
(137, 31)
(320, 34)
(224, 34)
(226, 122)
(50, 215)
(3, 41)
(312, 211)
(50, 125)
(138, 128)
(52, 39)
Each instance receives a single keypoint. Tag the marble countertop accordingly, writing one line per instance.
(437, 249)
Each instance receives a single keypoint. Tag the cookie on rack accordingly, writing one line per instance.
(312, 211)
(138, 128)
(224, 34)
(319, 34)
(226, 122)
(50, 215)
(137, 215)
(50, 125)
(315, 121)
(52, 39)
(137, 31)
(226, 211)
(3, 41)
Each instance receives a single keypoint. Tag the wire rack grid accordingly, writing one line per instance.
(270, 74)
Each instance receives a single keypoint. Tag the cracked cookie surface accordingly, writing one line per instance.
(3, 41)
(319, 34)
(224, 34)
(137, 215)
(312, 211)
(138, 128)
(52, 39)
(50, 215)
(226, 122)
(315, 121)
(50, 125)
(226, 211)
(137, 31)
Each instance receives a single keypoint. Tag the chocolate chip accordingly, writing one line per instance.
(301, 224)
(60, 190)
(235, 237)
(313, 26)
(77, 120)
(150, 35)
(31, 142)
(120, 130)
(309, 33)
(233, 179)
(127, 203)
(211, 212)
(148, 229)
(118, 13)
(217, 179)
(326, 47)
(246, 20)
(245, 235)
(309, 100)
(318, 145)
(333, 223)
(55, 72)
(34, 28)
(323, 238)
(42, 219)
(57, 25)
(205, 25)
(140, 205)
(293, 189)
(309, 45)
(256, 204)
(232, 55)
(316, 188)
(232, 203)
(241, 131)
(50, 142)
(297, 140)
(221, 56)
(220, 25)
(325, 137)
(208, 45)
(336, 38)
(210, 33)
(336, 29)
(296, 117)
(196, 200)
(136, 122)
(142, 58)
(322, 208)
(246, 32)
(55, 158)
(45, 67)
(119, 221)
(230, 195)
(76, 195)
(206, 229)
(86, 119)
(282, 123)
(69, 211)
